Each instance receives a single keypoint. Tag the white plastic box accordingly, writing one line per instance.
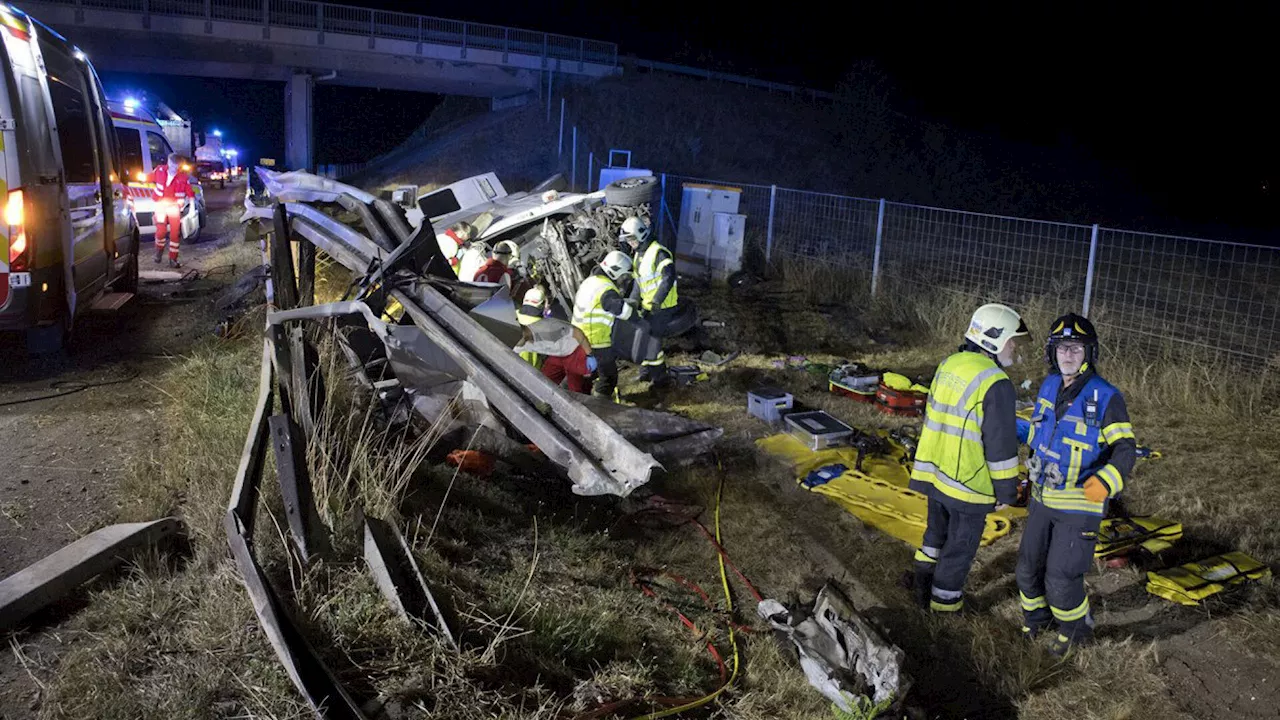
(768, 404)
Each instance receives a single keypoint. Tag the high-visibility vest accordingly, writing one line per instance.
(1066, 451)
(589, 315)
(950, 455)
(655, 259)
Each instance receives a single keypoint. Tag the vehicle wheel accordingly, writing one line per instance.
(632, 191)
(203, 214)
(50, 339)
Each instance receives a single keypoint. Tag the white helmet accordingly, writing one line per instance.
(993, 326)
(616, 264)
(508, 248)
(532, 306)
(634, 229)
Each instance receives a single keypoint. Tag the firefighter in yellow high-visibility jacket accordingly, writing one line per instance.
(967, 458)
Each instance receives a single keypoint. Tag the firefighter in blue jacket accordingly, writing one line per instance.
(1082, 451)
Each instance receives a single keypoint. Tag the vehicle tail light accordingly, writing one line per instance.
(15, 218)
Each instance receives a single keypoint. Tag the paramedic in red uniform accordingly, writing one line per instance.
(172, 190)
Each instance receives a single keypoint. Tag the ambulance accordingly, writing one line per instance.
(143, 148)
(68, 239)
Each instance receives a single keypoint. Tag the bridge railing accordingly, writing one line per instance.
(345, 19)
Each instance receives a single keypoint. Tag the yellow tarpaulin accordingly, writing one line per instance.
(878, 496)
(1189, 584)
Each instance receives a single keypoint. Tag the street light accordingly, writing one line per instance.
(217, 133)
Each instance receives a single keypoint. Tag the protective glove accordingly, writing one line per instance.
(1095, 490)
(592, 363)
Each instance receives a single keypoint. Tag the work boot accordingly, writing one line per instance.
(173, 263)
(159, 254)
(1062, 646)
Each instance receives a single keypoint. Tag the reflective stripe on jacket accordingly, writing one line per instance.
(589, 314)
(1066, 451)
(649, 275)
(951, 455)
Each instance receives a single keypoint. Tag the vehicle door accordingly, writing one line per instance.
(81, 163)
(115, 203)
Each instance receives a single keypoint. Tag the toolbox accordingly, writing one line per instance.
(817, 429)
(686, 374)
(768, 403)
(907, 403)
(854, 381)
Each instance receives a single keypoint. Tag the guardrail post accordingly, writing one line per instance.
(875, 259)
(560, 137)
(573, 173)
(419, 35)
(1088, 273)
(208, 16)
(373, 33)
(662, 213)
(464, 41)
(266, 19)
(768, 235)
(506, 43)
(582, 55)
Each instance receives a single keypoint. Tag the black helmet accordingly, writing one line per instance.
(1072, 327)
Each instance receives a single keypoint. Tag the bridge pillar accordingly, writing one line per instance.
(298, 92)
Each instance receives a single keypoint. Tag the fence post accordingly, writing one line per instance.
(768, 237)
(560, 137)
(573, 173)
(1088, 273)
(662, 214)
(875, 259)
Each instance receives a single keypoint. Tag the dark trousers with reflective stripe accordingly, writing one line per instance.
(951, 539)
(1056, 552)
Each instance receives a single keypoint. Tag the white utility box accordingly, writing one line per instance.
(703, 242)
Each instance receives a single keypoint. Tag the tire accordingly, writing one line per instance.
(632, 191)
(203, 214)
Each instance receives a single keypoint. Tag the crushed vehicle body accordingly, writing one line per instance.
(454, 338)
(559, 236)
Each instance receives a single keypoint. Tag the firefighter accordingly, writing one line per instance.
(473, 256)
(172, 188)
(967, 458)
(559, 349)
(1082, 452)
(497, 269)
(656, 277)
(597, 305)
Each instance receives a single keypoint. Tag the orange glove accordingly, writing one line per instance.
(1095, 490)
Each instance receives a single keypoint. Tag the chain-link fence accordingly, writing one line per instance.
(1158, 291)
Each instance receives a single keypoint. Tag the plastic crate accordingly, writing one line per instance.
(768, 403)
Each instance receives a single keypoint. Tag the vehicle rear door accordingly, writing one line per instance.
(81, 164)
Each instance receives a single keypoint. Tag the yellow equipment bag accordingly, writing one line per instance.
(1189, 584)
(1117, 536)
(878, 495)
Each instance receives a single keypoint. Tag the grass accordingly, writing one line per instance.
(536, 583)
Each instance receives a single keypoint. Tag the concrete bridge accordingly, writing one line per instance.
(299, 42)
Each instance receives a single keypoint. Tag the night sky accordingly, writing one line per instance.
(1179, 102)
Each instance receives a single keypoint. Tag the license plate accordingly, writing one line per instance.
(20, 280)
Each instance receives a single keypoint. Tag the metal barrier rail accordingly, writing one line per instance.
(328, 17)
